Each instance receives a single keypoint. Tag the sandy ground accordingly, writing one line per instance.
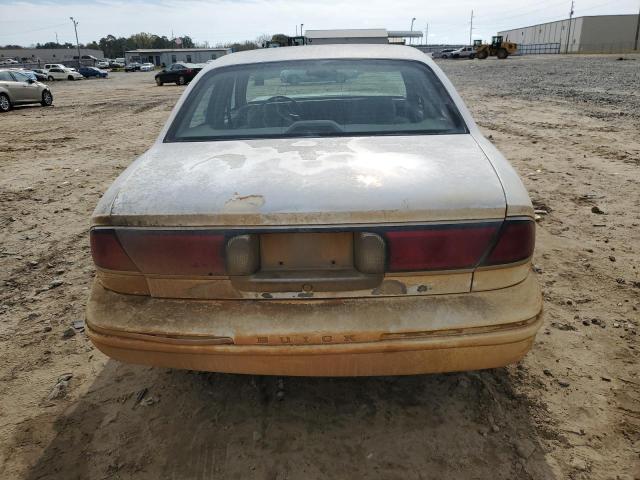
(570, 409)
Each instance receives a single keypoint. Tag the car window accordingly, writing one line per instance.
(6, 77)
(20, 77)
(316, 98)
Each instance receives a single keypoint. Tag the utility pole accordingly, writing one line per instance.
(426, 36)
(411, 38)
(57, 42)
(471, 29)
(301, 25)
(75, 27)
(566, 50)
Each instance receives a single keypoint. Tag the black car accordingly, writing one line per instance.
(40, 74)
(178, 73)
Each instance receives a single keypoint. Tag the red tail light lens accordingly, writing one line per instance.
(107, 252)
(442, 248)
(175, 252)
(516, 242)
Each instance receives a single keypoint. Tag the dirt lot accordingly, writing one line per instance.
(571, 409)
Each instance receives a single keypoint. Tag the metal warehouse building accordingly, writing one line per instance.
(47, 55)
(168, 56)
(595, 34)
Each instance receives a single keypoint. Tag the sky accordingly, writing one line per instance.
(26, 22)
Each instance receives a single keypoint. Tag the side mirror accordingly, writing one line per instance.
(31, 80)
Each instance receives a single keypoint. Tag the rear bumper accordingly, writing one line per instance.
(350, 337)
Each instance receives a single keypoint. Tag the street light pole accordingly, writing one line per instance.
(301, 25)
(75, 27)
(411, 38)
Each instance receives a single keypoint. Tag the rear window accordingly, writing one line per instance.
(316, 98)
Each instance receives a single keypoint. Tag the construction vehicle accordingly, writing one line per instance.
(497, 48)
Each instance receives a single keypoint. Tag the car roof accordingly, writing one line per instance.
(320, 52)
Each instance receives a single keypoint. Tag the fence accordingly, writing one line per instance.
(538, 49)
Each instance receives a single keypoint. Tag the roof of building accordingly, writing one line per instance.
(404, 33)
(162, 50)
(313, 52)
(347, 33)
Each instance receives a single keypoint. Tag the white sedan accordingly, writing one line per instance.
(362, 227)
(59, 73)
(147, 67)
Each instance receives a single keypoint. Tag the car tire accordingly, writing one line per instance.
(472, 56)
(70, 78)
(50, 78)
(444, 57)
(47, 99)
(159, 82)
(5, 103)
(181, 80)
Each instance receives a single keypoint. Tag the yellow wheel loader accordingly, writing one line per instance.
(497, 48)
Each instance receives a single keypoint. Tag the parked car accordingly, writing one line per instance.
(446, 53)
(178, 73)
(9, 61)
(19, 88)
(314, 229)
(102, 64)
(41, 75)
(49, 66)
(147, 67)
(132, 67)
(464, 52)
(88, 72)
(57, 73)
(113, 64)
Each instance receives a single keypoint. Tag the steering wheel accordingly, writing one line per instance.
(293, 108)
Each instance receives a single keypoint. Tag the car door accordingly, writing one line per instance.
(27, 91)
(8, 82)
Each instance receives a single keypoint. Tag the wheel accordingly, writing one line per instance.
(502, 53)
(70, 78)
(181, 80)
(482, 55)
(50, 78)
(47, 99)
(444, 56)
(5, 103)
(158, 82)
(472, 56)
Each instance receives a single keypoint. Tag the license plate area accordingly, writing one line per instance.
(306, 263)
(281, 252)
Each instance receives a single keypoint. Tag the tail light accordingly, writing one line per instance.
(516, 242)
(166, 252)
(107, 252)
(442, 248)
(460, 246)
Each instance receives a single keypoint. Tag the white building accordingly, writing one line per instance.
(595, 34)
(358, 35)
(168, 56)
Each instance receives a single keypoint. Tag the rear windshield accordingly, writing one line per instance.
(316, 98)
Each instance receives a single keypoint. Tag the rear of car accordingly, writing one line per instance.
(354, 222)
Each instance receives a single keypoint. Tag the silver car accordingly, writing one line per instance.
(18, 88)
(363, 227)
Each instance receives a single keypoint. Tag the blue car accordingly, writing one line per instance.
(92, 72)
